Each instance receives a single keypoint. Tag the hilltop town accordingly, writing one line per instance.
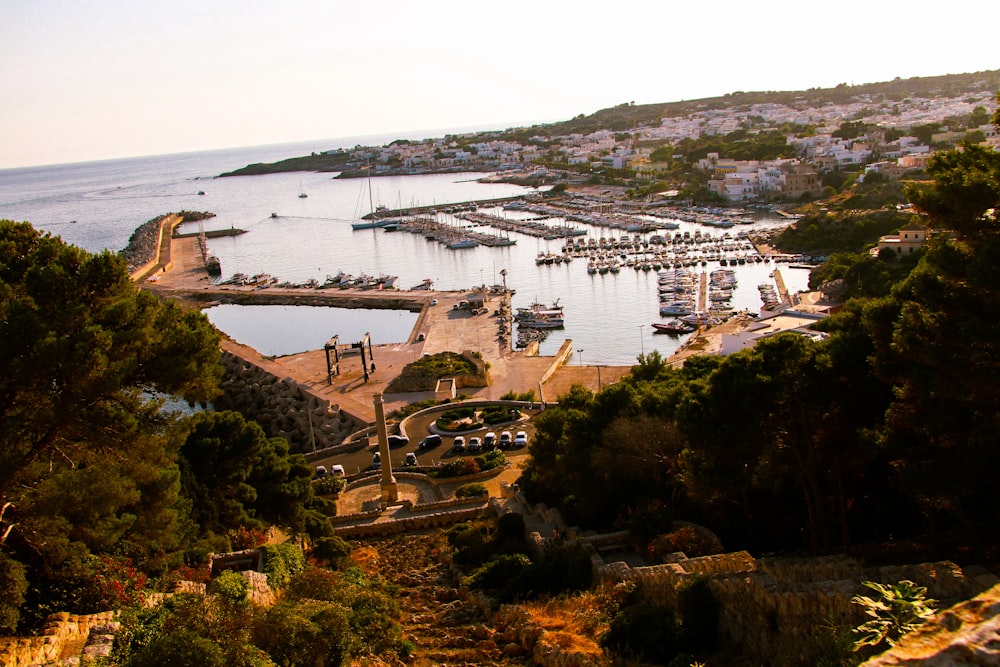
(767, 146)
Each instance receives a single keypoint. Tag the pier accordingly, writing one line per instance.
(528, 227)
(434, 208)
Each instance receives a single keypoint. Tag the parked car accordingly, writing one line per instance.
(521, 439)
(475, 444)
(458, 444)
(505, 440)
(490, 441)
(376, 460)
(337, 470)
(320, 472)
(410, 459)
(398, 440)
(433, 440)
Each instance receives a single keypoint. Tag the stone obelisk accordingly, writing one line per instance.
(390, 492)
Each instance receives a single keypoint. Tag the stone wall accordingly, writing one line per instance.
(281, 406)
(63, 634)
(770, 608)
(406, 525)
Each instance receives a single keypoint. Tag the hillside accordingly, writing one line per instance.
(625, 116)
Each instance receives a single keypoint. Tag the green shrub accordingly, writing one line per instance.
(499, 414)
(181, 648)
(331, 485)
(643, 632)
(491, 460)
(472, 490)
(472, 544)
(898, 609)
(13, 586)
(281, 561)
(307, 633)
(458, 468)
(499, 572)
(528, 396)
(232, 588)
(687, 539)
(317, 522)
(334, 550)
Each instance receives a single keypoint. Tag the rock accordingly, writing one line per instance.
(966, 634)
(513, 650)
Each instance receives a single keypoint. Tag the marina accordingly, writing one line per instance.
(312, 240)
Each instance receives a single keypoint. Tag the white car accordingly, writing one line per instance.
(475, 444)
(458, 444)
(521, 439)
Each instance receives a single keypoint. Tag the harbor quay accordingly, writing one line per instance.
(443, 324)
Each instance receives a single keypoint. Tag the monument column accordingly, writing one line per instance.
(390, 492)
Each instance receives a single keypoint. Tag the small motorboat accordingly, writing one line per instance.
(674, 327)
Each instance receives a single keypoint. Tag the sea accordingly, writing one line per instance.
(98, 205)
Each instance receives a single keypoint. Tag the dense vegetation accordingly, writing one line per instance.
(106, 490)
(885, 430)
(324, 617)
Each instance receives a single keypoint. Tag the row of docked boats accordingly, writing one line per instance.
(680, 292)
(536, 321)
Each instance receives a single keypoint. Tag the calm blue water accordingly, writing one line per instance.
(98, 205)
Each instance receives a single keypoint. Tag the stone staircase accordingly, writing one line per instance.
(447, 629)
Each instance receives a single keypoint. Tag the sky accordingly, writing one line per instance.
(103, 79)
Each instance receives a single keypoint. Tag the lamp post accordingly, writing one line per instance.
(579, 353)
(642, 342)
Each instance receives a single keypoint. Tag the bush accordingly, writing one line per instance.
(645, 632)
(458, 468)
(472, 490)
(281, 561)
(499, 414)
(331, 485)
(498, 573)
(314, 583)
(309, 633)
(13, 586)
(334, 550)
(687, 539)
(181, 648)
(317, 522)
(232, 588)
(491, 460)
(246, 538)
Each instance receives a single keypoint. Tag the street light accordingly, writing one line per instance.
(642, 342)
(580, 357)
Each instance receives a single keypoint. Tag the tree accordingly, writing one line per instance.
(236, 476)
(85, 457)
(935, 344)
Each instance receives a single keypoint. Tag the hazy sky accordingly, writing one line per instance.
(87, 80)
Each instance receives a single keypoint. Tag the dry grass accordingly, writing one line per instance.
(367, 559)
(572, 622)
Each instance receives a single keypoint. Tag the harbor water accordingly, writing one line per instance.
(297, 238)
